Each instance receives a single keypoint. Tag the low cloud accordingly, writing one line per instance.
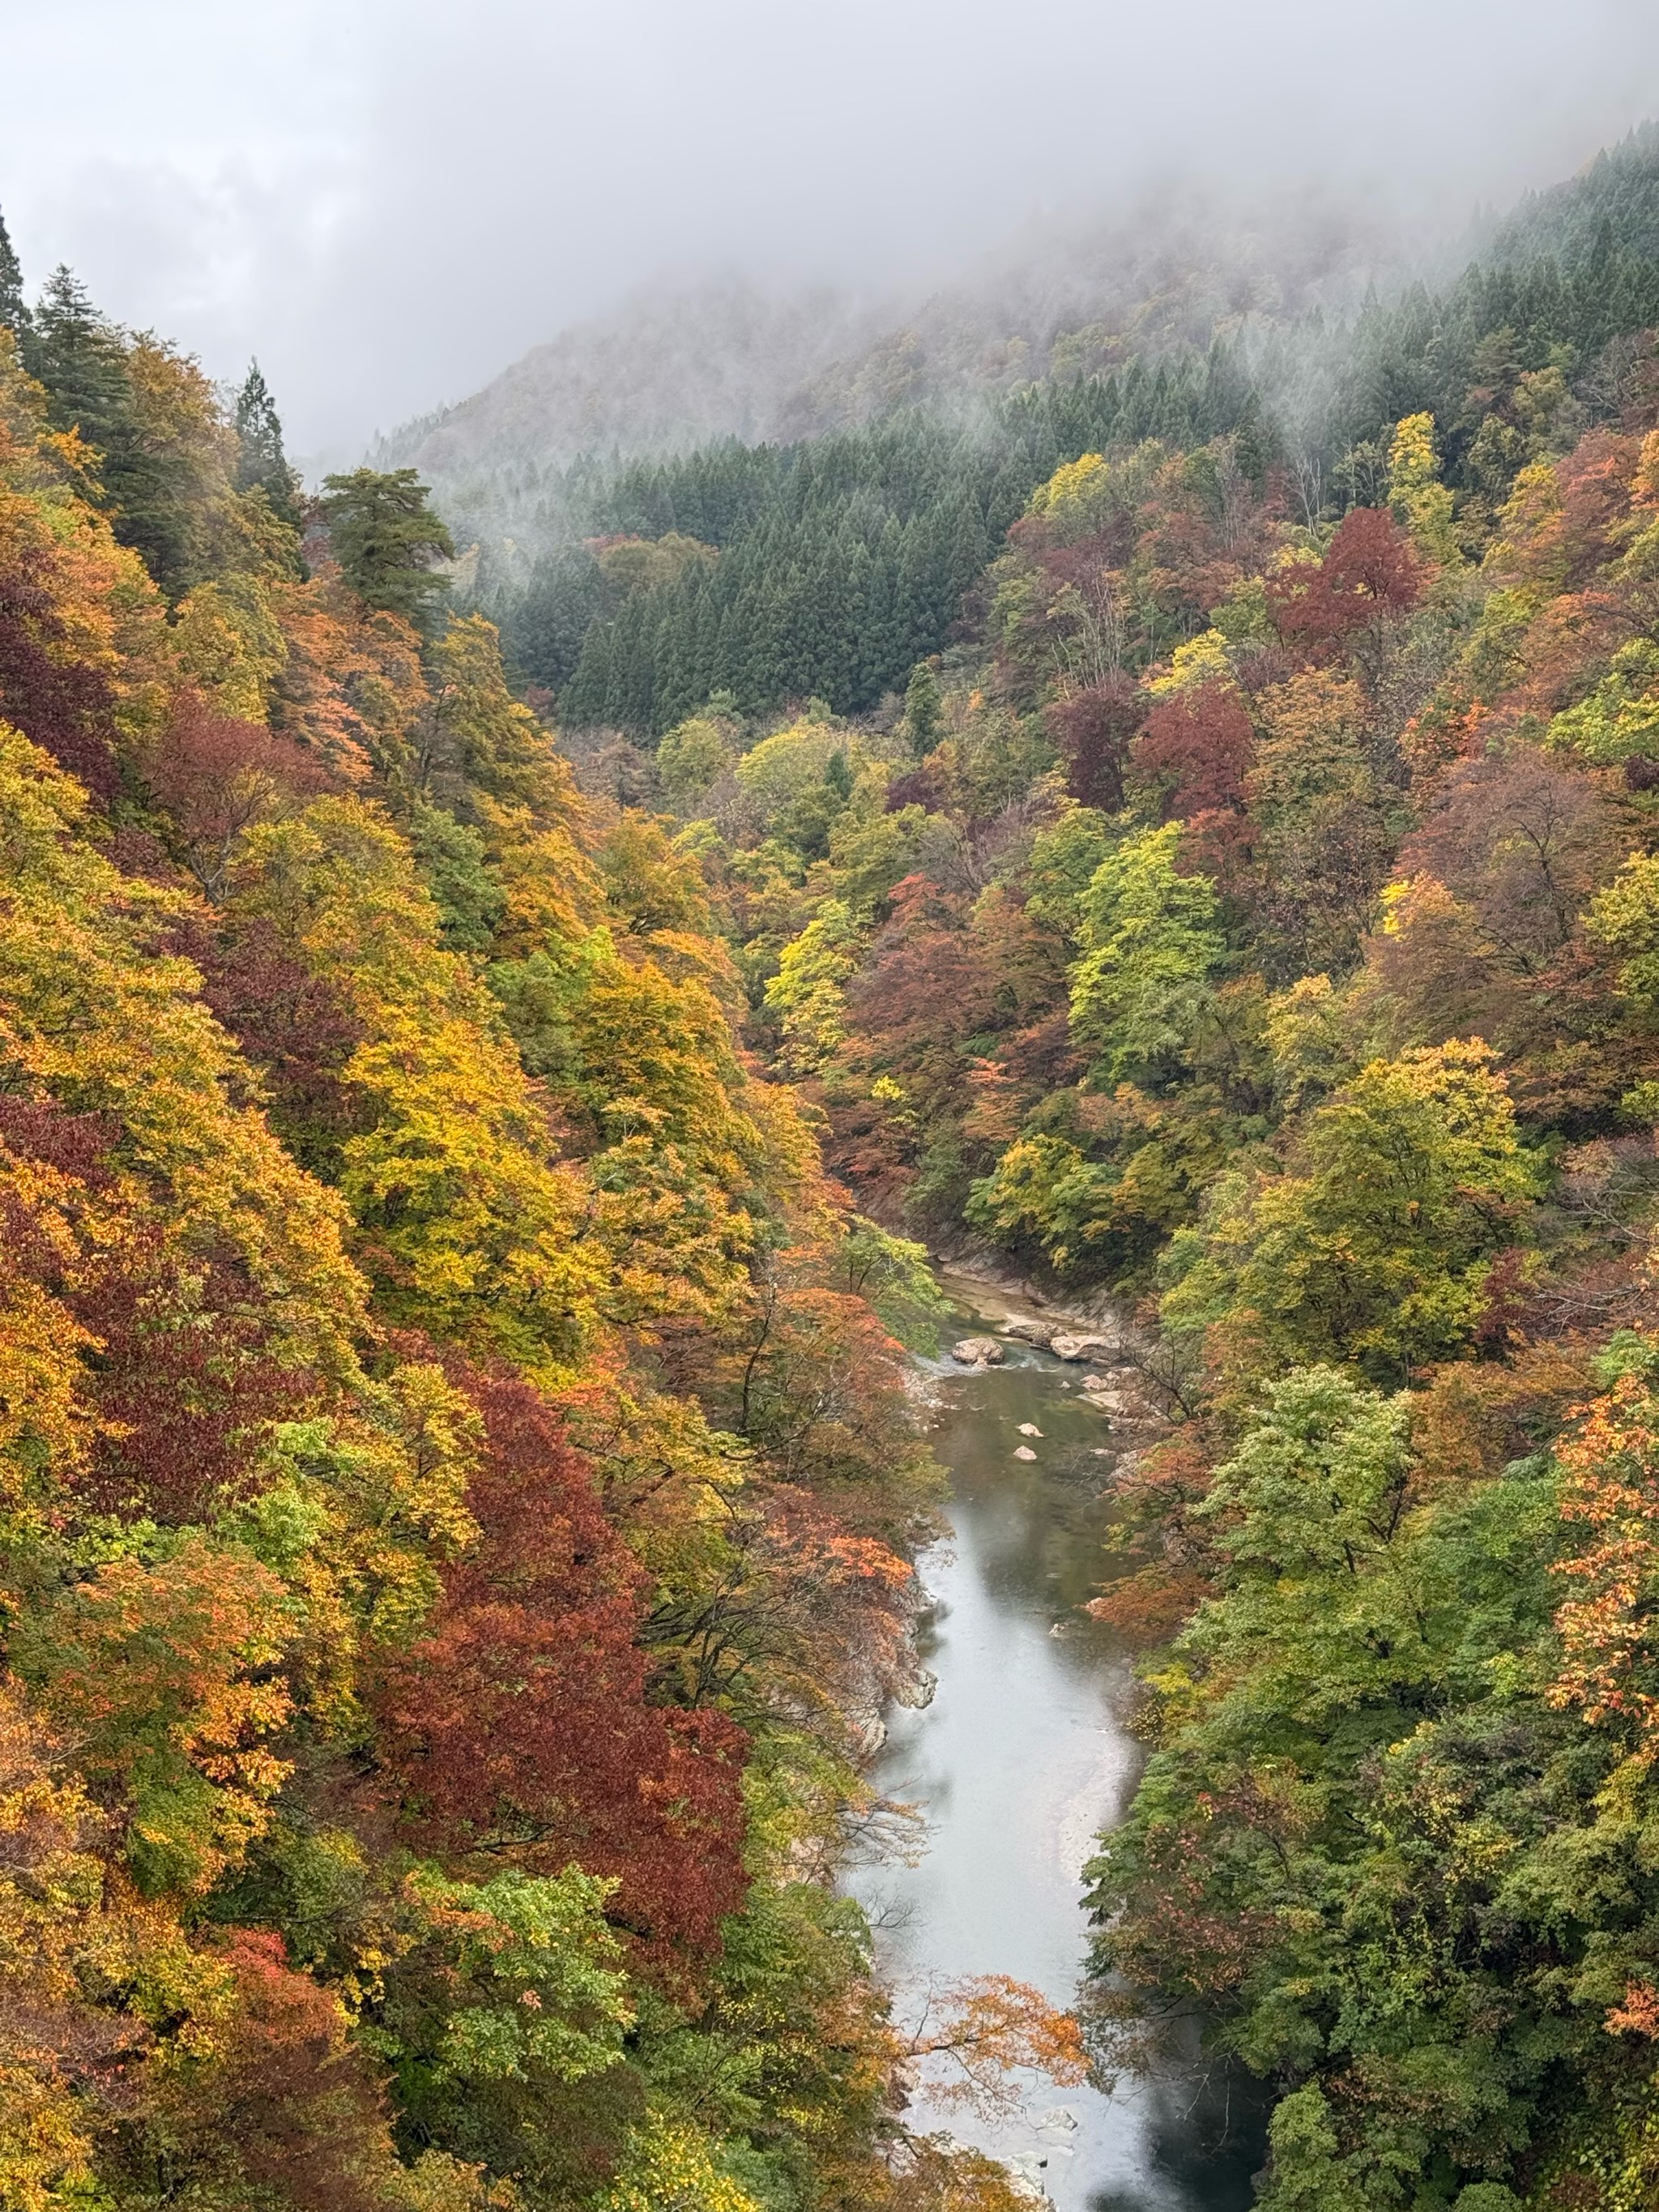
(388, 202)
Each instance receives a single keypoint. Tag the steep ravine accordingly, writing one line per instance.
(1021, 1755)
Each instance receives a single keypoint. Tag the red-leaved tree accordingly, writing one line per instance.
(1370, 568)
(216, 777)
(519, 1726)
(1094, 730)
(1197, 747)
(52, 696)
(279, 2107)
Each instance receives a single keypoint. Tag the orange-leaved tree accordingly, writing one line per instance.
(1610, 1644)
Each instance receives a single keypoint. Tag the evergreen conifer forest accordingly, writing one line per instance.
(487, 1047)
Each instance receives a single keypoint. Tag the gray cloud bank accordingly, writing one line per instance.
(388, 200)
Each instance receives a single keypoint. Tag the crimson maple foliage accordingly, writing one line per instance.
(64, 705)
(1197, 747)
(183, 1380)
(520, 1723)
(1369, 569)
(295, 1028)
(1094, 730)
(216, 776)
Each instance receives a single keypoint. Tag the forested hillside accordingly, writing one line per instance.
(669, 372)
(826, 566)
(1253, 908)
(1187, 828)
(457, 1481)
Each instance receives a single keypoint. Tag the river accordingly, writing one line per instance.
(1021, 1757)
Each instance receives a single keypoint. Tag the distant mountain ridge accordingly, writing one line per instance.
(670, 372)
(664, 371)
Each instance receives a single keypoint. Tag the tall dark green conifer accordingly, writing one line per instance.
(261, 461)
(13, 312)
(922, 702)
(77, 354)
(385, 537)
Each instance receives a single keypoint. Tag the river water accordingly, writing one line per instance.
(1019, 1759)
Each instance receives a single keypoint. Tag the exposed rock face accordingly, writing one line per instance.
(1100, 1349)
(978, 1352)
(895, 1678)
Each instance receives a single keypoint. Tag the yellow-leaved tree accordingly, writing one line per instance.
(468, 1222)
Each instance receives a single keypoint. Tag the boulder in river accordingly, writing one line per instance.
(978, 1352)
(1097, 1349)
(1030, 1332)
(1106, 1402)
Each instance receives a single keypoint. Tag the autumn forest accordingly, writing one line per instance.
(493, 1023)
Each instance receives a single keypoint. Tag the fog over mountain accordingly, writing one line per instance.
(675, 367)
(387, 204)
(734, 357)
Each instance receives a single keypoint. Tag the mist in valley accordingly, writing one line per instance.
(692, 693)
(761, 219)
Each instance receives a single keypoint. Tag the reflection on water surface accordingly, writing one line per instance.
(1021, 1757)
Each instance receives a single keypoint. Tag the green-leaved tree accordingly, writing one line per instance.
(1151, 943)
(1375, 1245)
(385, 538)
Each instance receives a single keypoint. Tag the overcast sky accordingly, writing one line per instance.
(388, 200)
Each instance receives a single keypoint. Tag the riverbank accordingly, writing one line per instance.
(981, 1271)
(1021, 1757)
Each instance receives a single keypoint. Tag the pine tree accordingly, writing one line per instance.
(703, 676)
(385, 537)
(968, 548)
(262, 462)
(14, 313)
(583, 700)
(675, 693)
(921, 709)
(78, 355)
(633, 695)
(725, 663)
(880, 649)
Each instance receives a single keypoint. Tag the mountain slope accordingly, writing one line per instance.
(670, 373)
(1060, 299)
